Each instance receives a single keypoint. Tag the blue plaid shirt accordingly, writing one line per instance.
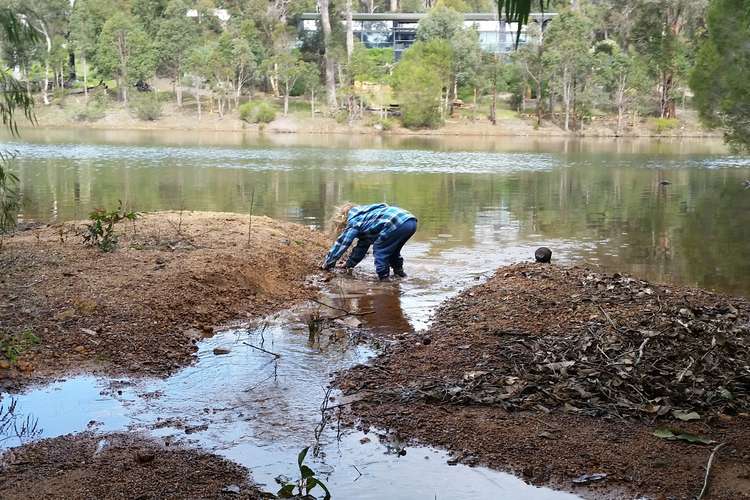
(368, 223)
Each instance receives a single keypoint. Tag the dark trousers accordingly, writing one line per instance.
(388, 251)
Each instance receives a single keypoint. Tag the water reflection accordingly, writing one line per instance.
(670, 211)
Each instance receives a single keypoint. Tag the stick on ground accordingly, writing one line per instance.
(708, 470)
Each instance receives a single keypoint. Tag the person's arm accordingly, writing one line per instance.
(359, 253)
(343, 242)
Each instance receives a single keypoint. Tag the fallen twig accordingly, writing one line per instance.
(640, 349)
(708, 470)
(276, 355)
(609, 319)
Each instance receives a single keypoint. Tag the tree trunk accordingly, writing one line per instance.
(286, 99)
(85, 77)
(349, 32)
(312, 103)
(325, 21)
(197, 93)
(394, 5)
(72, 76)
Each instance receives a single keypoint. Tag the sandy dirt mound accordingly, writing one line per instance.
(139, 310)
(118, 466)
(557, 373)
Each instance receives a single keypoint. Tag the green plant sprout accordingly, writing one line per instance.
(306, 483)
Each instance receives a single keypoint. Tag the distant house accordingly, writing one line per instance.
(399, 30)
(221, 14)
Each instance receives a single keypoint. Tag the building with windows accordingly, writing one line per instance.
(399, 30)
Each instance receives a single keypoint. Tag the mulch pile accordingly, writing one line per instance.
(561, 373)
(541, 338)
(118, 466)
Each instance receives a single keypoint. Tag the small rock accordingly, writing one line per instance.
(4, 364)
(196, 428)
(364, 440)
(590, 478)
(221, 350)
(232, 489)
(79, 349)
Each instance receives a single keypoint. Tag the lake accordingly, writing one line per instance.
(665, 211)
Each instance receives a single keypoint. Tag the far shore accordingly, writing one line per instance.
(508, 125)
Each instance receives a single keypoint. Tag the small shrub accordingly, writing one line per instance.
(12, 346)
(662, 125)
(306, 482)
(257, 112)
(383, 124)
(91, 111)
(146, 108)
(101, 231)
(10, 200)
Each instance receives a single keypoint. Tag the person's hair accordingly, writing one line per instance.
(340, 217)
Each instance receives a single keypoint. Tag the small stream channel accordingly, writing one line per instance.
(260, 411)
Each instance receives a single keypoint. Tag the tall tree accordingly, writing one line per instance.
(325, 22)
(721, 78)
(568, 43)
(125, 53)
(660, 33)
(86, 22)
(176, 36)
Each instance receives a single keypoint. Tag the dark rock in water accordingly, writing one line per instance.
(665, 183)
(543, 254)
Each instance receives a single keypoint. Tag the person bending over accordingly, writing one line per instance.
(384, 227)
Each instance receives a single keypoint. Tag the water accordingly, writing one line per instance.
(602, 200)
(259, 410)
(481, 203)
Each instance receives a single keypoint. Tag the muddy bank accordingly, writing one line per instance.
(139, 310)
(118, 466)
(556, 373)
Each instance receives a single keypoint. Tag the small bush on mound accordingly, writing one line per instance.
(146, 108)
(257, 112)
(662, 125)
(90, 111)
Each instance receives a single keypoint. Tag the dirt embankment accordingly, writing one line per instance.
(559, 373)
(140, 309)
(118, 466)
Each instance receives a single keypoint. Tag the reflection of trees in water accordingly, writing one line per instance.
(695, 229)
(15, 426)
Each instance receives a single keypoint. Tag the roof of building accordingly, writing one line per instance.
(416, 16)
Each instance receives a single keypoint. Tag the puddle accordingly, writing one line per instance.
(259, 410)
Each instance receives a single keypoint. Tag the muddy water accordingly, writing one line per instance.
(481, 204)
(260, 410)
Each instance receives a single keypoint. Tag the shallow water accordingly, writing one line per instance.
(481, 203)
(260, 410)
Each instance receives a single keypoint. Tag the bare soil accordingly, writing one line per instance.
(139, 310)
(118, 466)
(547, 372)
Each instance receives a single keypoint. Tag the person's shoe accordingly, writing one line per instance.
(384, 279)
(400, 273)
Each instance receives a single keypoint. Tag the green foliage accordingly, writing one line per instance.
(721, 77)
(176, 35)
(257, 112)
(91, 110)
(419, 79)
(13, 346)
(306, 482)
(100, 232)
(124, 52)
(146, 106)
(662, 125)
(440, 23)
(371, 65)
(9, 197)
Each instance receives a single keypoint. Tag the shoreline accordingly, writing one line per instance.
(175, 119)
